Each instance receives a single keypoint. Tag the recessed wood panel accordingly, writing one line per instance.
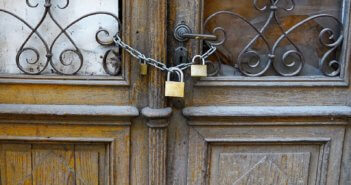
(55, 164)
(15, 164)
(263, 164)
(262, 168)
(264, 155)
(91, 164)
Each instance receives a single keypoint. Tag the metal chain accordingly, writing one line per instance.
(159, 65)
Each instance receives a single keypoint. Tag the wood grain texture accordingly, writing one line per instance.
(345, 177)
(139, 147)
(293, 96)
(69, 110)
(197, 158)
(157, 156)
(91, 164)
(208, 143)
(267, 111)
(136, 154)
(177, 156)
(157, 15)
(261, 168)
(62, 94)
(61, 154)
(53, 164)
(15, 164)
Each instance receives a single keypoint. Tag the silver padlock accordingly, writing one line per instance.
(199, 70)
(174, 88)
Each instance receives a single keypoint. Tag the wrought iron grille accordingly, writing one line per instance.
(69, 61)
(282, 55)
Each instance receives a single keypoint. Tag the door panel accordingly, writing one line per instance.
(261, 168)
(264, 155)
(269, 128)
(54, 164)
(235, 128)
(64, 152)
(16, 164)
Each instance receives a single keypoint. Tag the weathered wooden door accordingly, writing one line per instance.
(273, 110)
(274, 107)
(66, 101)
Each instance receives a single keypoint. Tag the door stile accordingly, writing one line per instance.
(156, 113)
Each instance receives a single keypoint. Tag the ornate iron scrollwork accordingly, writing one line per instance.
(111, 65)
(251, 62)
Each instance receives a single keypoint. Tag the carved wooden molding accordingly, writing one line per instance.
(67, 114)
(268, 111)
(157, 113)
(207, 146)
(157, 118)
(157, 121)
(116, 139)
(69, 110)
(157, 156)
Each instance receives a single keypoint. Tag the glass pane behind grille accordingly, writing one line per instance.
(77, 53)
(312, 49)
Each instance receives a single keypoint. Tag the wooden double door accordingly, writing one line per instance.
(273, 110)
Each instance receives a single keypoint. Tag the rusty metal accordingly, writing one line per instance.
(283, 66)
(41, 66)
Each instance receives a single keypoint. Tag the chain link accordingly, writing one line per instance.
(157, 64)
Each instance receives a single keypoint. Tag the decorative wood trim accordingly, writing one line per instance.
(307, 81)
(158, 50)
(268, 140)
(157, 156)
(157, 123)
(69, 110)
(202, 138)
(58, 80)
(345, 177)
(116, 137)
(268, 111)
(67, 114)
(56, 139)
(156, 113)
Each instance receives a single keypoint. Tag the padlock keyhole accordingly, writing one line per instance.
(181, 58)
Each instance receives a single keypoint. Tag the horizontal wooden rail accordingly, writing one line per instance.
(268, 111)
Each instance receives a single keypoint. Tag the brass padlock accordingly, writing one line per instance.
(173, 88)
(143, 67)
(199, 70)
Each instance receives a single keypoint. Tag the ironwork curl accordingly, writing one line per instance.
(37, 66)
(291, 62)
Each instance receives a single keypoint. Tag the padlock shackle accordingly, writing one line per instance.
(200, 57)
(141, 61)
(178, 71)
